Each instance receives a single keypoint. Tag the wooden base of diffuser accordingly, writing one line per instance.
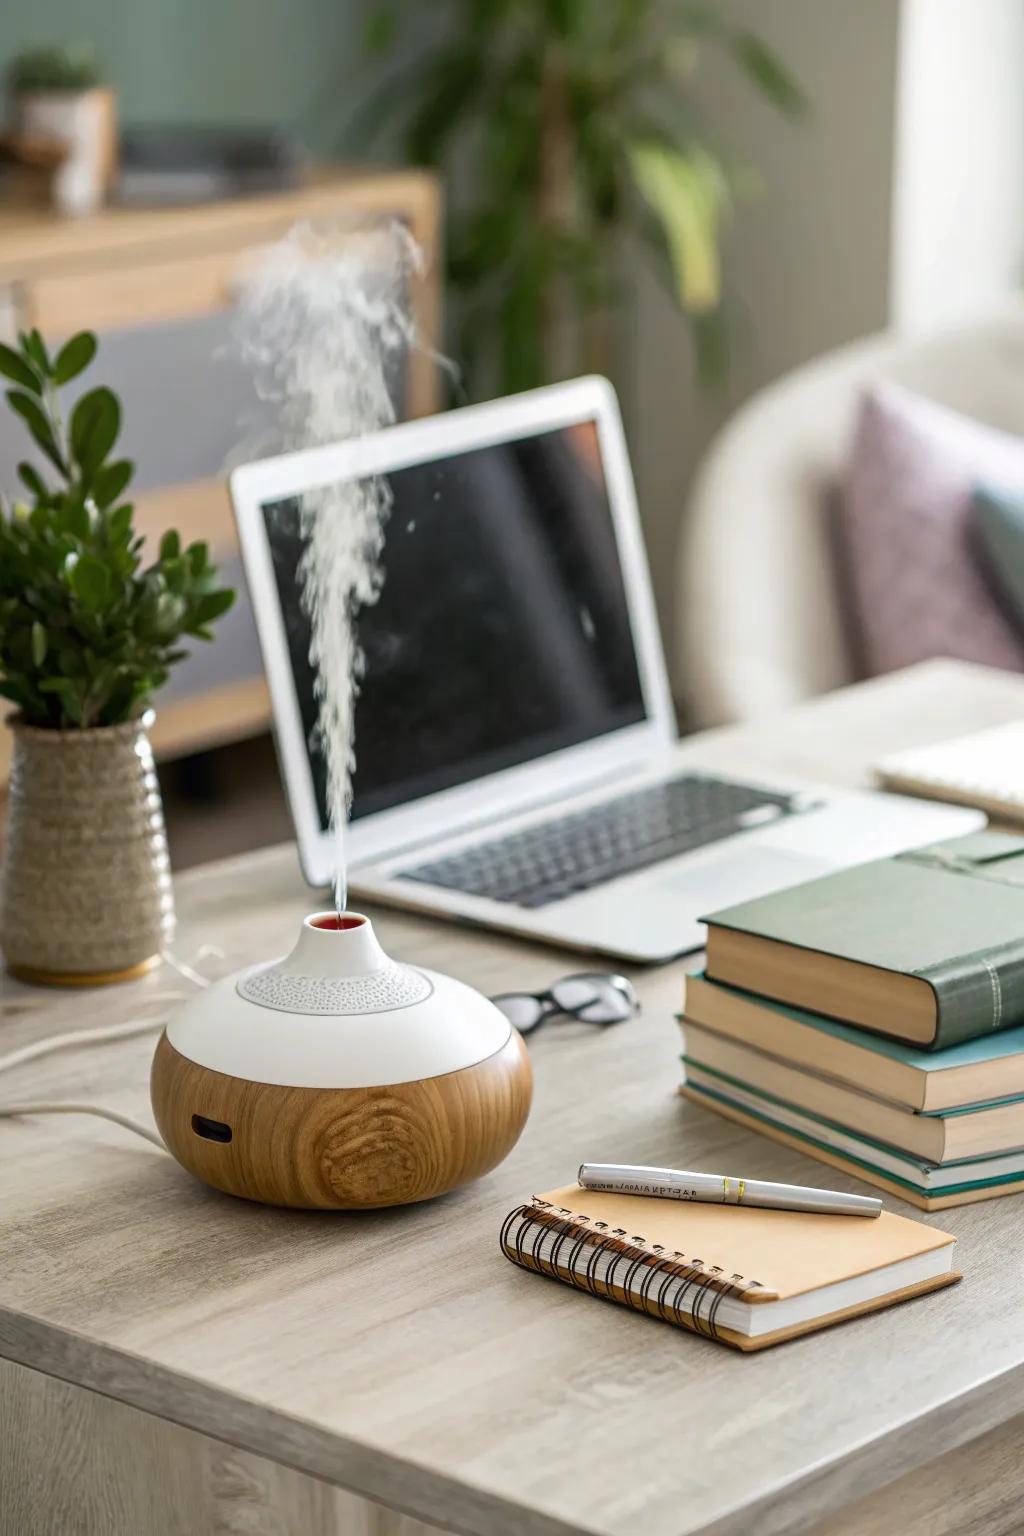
(344, 1148)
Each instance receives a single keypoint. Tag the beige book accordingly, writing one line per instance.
(744, 1276)
(868, 995)
(979, 1070)
(943, 1137)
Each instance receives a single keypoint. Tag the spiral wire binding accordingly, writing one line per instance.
(692, 1276)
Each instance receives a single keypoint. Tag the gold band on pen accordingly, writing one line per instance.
(742, 1191)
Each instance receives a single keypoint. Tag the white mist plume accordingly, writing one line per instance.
(325, 323)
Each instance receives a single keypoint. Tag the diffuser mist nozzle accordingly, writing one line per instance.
(337, 1012)
(336, 922)
(337, 967)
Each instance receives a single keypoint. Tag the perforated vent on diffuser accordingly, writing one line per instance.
(396, 986)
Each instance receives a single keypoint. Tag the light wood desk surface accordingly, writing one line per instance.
(398, 1355)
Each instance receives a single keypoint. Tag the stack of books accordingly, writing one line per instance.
(874, 1018)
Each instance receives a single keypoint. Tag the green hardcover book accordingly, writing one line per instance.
(974, 1072)
(927, 947)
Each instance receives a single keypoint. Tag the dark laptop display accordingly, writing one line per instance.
(501, 633)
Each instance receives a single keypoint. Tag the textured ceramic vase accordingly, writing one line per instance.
(86, 893)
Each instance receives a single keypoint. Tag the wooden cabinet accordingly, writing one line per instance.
(158, 285)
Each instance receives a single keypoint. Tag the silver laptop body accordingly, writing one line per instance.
(517, 761)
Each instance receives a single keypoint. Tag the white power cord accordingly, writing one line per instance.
(204, 952)
(87, 1036)
(42, 1108)
(107, 1032)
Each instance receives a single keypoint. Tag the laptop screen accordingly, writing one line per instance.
(501, 633)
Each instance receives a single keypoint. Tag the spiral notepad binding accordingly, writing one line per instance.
(653, 1280)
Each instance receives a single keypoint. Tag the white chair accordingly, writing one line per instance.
(760, 625)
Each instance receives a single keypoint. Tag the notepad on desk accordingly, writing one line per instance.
(745, 1277)
(984, 769)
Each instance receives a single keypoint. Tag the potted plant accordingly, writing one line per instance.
(87, 634)
(571, 139)
(59, 96)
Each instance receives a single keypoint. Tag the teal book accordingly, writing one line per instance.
(978, 1071)
(926, 947)
(941, 1135)
(921, 1182)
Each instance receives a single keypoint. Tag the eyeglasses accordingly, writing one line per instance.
(593, 997)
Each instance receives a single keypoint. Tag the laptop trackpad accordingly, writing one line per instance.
(658, 916)
(701, 888)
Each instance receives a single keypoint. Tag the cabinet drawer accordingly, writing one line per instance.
(180, 289)
(200, 510)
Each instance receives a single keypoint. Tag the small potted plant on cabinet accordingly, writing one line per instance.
(59, 96)
(87, 634)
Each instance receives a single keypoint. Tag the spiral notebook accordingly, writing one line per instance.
(746, 1277)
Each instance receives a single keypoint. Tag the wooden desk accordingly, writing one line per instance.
(173, 1361)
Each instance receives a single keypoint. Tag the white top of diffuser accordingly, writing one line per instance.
(337, 1013)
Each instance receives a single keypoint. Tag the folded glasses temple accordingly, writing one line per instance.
(605, 978)
(547, 1001)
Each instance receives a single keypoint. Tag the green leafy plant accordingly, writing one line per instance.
(55, 69)
(86, 633)
(563, 125)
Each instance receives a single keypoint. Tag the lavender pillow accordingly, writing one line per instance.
(905, 527)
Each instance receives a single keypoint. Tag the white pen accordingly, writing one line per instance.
(720, 1189)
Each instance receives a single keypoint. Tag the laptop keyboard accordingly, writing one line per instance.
(560, 858)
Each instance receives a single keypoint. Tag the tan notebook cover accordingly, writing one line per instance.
(762, 1255)
(787, 1252)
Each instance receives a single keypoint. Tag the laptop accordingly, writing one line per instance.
(517, 761)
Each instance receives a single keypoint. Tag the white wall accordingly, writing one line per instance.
(958, 225)
(808, 262)
(900, 203)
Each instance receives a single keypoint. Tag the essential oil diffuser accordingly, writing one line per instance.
(338, 1078)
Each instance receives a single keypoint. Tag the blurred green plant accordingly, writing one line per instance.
(563, 125)
(55, 68)
(86, 634)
